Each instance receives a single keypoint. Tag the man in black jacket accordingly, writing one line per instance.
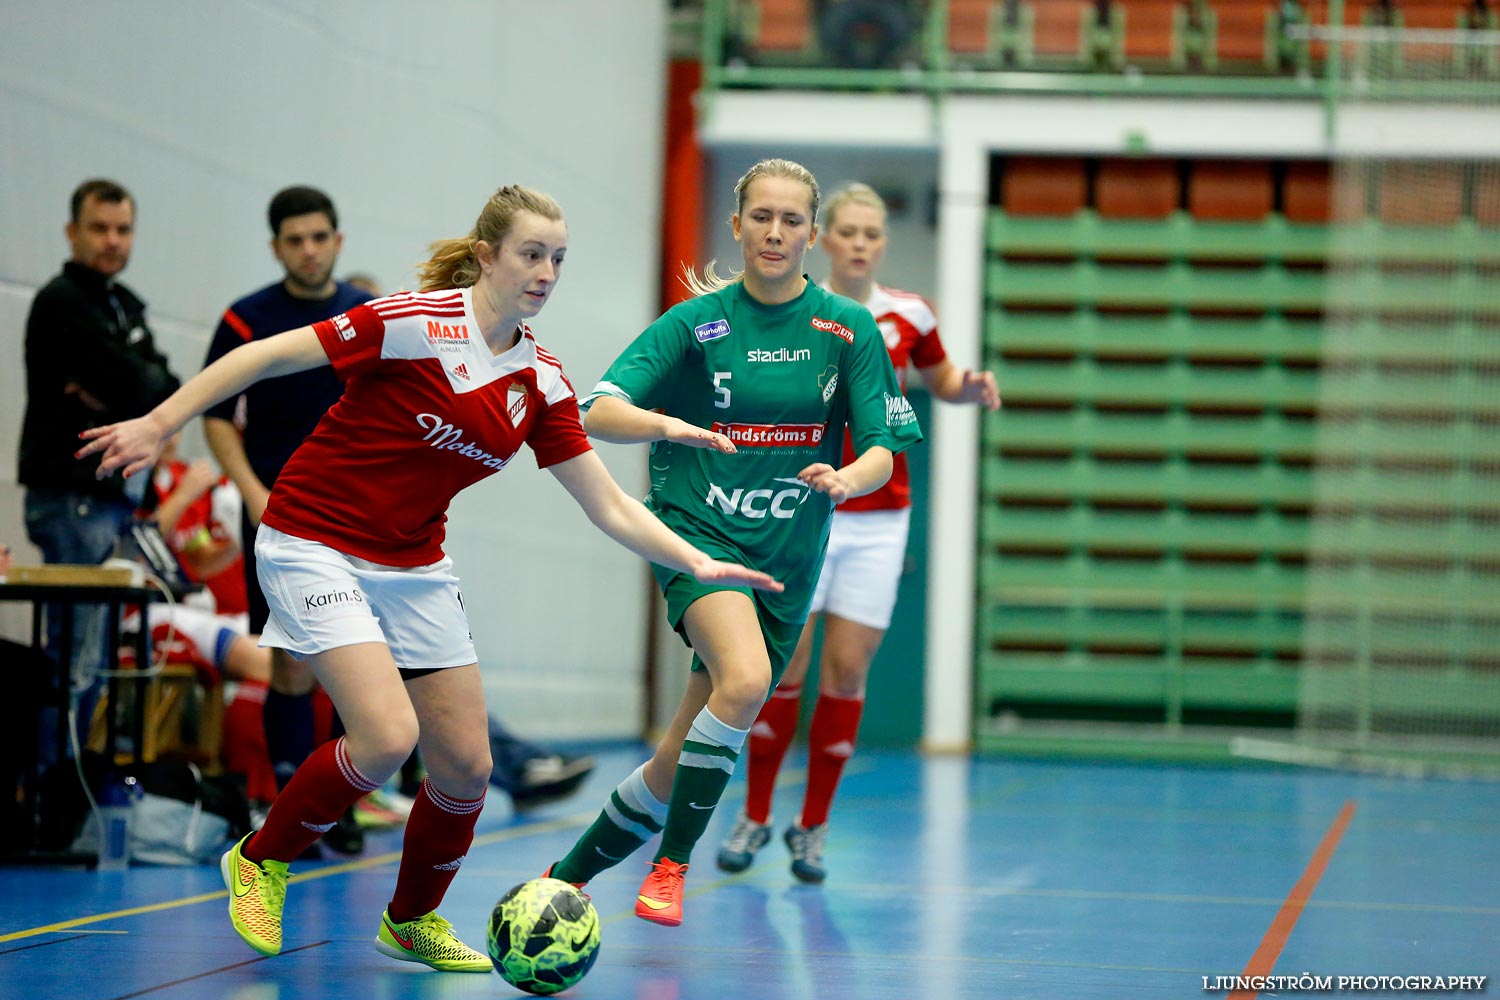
(90, 360)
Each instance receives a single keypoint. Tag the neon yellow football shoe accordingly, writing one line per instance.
(429, 939)
(257, 894)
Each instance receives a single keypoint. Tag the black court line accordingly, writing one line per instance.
(214, 972)
(44, 944)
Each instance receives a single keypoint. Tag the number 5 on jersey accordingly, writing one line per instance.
(721, 390)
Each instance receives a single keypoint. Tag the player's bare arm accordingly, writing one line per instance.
(627, 521)
(618, 422)
(133, 445)
(228, 445)
(953, 384)
(865, 474)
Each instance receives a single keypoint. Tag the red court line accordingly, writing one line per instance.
(1264, 960)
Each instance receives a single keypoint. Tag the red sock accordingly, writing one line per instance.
(438, 835)
(244, 742)
(769, 738)
(324, 786)
(830, 744)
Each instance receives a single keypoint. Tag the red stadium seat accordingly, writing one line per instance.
(969, 26)
(785, 25)
(1231, 190)
(1421, 194)
(1307, 193)
(1149, 29)
(1242, 29)
(1044, 186)
(1137, 189)
(1058, 27)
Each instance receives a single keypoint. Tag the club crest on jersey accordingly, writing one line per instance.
(515, 399)
(837, 329)
(829, 382)
(711, 331)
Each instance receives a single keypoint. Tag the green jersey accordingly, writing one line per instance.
(782, 382)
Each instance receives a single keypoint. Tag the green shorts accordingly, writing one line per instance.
(682, 589)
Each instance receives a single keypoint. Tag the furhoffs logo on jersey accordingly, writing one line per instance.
(444, 436)
(462, 371)
(322, 601)
(837, 329)
(711, 331)
(515, 408)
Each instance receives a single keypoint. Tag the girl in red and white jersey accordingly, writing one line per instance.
(856, 591)
(443, 386)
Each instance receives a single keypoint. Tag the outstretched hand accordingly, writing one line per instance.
(714, 571)
(682, 432)
(981, 388)
(132, 444)
(824, 478)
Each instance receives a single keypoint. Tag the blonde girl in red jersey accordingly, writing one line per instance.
(443, 386)
(856, 592)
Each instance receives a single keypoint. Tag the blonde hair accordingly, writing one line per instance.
(454, 264)
(710, 280)
(854, 193)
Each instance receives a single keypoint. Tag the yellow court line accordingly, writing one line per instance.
(510, 833)
(790, 777)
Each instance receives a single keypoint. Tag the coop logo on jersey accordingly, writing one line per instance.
(772, 435)
(447, 336)
(515, 400)
(344, 326)
(756, 505)
(838, 330)
(444, 436)
(780, 354)
(322, 601)
(711, 331)
(829, 382)
(898, 412)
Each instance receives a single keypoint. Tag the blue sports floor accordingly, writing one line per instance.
(950, 878)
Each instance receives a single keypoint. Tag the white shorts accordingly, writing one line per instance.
(866, 552)
(321, 599)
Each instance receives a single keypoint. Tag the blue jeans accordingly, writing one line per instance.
(72, 527)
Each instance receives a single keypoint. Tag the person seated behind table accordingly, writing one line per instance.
(198, 512)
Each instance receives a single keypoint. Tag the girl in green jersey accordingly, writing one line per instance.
(744, 392)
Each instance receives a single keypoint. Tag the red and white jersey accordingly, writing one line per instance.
(909, 327)
(427, 410)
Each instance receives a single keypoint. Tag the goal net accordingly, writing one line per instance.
(1400, 668)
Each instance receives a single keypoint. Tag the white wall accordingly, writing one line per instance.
(409, 115)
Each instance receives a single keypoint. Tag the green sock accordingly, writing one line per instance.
(631, 817)
(709, 755)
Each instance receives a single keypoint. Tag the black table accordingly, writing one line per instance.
(66, 597)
